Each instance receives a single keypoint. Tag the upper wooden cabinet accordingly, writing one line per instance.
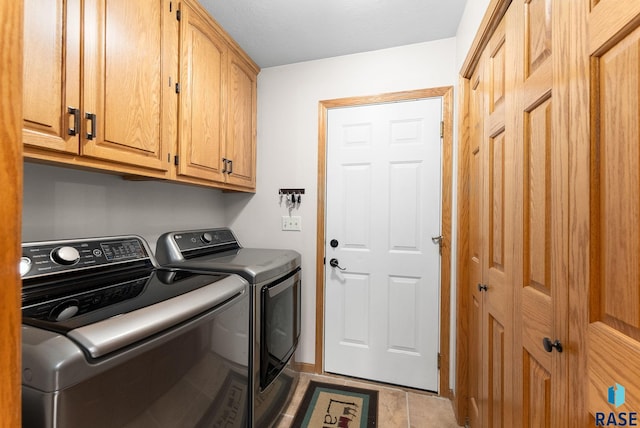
(114, 111)
(240, 141)
(52, 75)
(164, 91)
(203, 58)
(123, 98)
(217, 104)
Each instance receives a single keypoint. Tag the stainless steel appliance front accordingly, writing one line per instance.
(275, 281)
(109, 340)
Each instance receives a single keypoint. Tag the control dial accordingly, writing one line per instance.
(65, 310)
(25, 266)
(65, 255)
(206, 238)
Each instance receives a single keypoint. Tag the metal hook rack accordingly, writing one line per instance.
(294, 196)
(291, 192)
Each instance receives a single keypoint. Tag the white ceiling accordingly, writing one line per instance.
(278, 32)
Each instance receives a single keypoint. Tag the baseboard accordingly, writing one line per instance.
(304, 367)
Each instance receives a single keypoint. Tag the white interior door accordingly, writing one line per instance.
(383, 196)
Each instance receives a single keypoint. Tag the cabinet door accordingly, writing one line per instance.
(240, 142)
(203, 58)
(123, 82)
(51, 74)
(612, 272)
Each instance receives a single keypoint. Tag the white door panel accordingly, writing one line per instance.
(383, 208)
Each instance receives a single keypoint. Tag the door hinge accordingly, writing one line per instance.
(176, 160)
(178, 14)
(441, 129)
(177, 88)
(438, 360)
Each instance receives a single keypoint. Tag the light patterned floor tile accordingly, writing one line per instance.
(397, 407)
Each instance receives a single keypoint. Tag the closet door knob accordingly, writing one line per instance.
(482, 287)
(549, 345)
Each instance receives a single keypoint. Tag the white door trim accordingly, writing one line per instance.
(445, 310)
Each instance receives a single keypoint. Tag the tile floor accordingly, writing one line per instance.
(397, 407)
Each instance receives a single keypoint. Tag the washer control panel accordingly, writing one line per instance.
(42, 258)
(198, 239)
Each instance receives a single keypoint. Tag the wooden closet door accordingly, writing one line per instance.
(613, 332)
(490, 240)
(497, 151)
(476, 257)
(541, 247)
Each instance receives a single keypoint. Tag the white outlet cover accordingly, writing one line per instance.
(291, 223)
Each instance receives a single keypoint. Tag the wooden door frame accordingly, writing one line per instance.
(492, 17)
(11, 40)
(446, 93)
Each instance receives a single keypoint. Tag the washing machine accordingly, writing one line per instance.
(110, 340)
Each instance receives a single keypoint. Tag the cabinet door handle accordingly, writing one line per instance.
(75, 112)
(482, 287)
(92, 118)
(230, 167)
(549, 345)
(224, 165)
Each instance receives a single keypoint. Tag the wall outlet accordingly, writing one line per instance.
(291, 222)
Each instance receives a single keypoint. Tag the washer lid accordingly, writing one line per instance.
(109, 335)
(109, 296)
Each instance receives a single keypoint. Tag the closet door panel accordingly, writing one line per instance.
(498, 235)
(497, 372)
(614, 295)
(475, 362)
(496, 202)
(476, 324)
(541, 274)
(538, 34)
(497, 232)
(536, 244)
(537, 394)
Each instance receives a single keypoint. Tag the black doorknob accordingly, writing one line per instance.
(336, 264)
(482, 287)
(334, 243)
(549, 345)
